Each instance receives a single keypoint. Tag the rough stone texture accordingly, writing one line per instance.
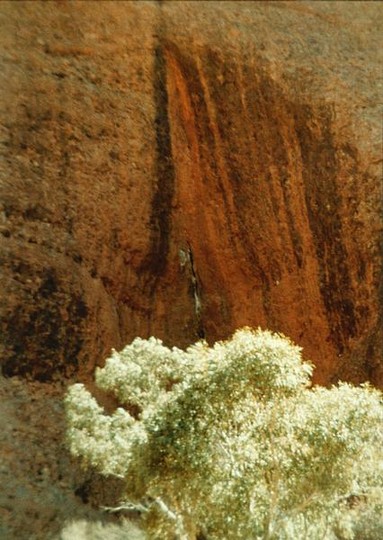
(177, 169)
(42, 489)
(182, 169)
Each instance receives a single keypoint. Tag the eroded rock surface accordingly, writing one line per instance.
(183, 169)
(44, 491)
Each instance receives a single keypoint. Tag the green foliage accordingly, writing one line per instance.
(232, 443)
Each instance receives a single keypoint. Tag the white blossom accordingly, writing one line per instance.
(232, 442)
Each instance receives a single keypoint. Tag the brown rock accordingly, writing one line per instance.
(183, 169)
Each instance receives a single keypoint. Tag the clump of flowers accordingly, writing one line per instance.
(231, 442)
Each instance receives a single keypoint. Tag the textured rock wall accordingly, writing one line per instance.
(182, 169)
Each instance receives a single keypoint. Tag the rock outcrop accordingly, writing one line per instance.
(183, 169)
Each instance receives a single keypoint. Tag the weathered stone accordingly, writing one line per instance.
(183, 169)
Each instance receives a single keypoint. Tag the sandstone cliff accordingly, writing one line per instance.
(181, 169)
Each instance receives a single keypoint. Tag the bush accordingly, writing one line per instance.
(231, 442)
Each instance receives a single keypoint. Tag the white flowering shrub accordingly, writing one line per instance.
(95, 530)
(232, 443)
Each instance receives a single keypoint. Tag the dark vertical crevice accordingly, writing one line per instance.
(196, 291)
(320, 168)
(155, 262)
(296, 239)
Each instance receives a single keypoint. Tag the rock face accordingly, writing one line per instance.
(183, 169)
